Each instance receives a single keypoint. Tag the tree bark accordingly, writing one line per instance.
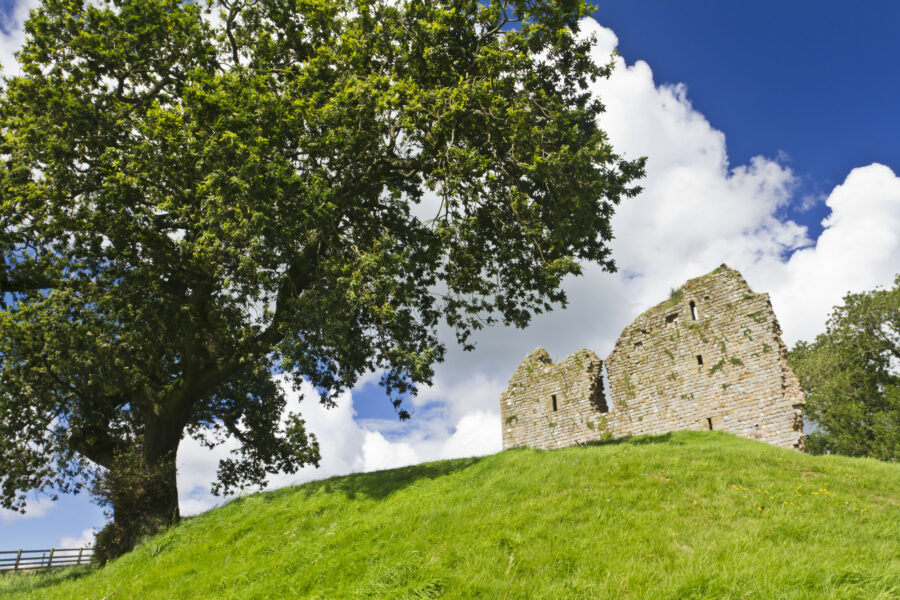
(141, 487)
(158, 458)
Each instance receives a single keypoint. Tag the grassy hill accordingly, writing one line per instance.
(685, 515)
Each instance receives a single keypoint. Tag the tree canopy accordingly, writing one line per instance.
(200, 199)
(851, 374)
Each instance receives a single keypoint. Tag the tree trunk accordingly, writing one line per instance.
(159, 452)
(141, 488)
(152, 493)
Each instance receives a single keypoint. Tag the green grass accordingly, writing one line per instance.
(685, 515)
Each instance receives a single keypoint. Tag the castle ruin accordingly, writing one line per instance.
(709, 357)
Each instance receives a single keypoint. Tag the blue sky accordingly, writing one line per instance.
(816, 80)
(761, 121)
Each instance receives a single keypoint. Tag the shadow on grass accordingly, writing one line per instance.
(638, 440)
(381, 484)
(35, 580)
(377, 485)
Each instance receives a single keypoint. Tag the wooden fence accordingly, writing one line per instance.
(33, 560)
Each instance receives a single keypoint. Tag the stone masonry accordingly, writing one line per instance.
(709, 357)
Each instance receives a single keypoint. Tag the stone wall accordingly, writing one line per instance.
(553, 405)
(709, 357)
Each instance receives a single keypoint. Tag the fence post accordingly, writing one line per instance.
(18, 558)
(80, 550)
(50, 562)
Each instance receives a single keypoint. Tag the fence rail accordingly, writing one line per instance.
(52, 558)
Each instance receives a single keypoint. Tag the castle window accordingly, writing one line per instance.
(693, 310)
(699, 359)
(709, 422)
(553, 398)
(604, 399)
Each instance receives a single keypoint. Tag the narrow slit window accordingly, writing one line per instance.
(604, 399)
(694, 310)
(699, 359)
(709, 422)
(553, 398)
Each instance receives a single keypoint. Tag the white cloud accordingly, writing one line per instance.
(378, 453)
(12, 23)
(348, 445)
(476, 434)
(84, 540)
(858, 250)
(475, 394)
(34, 510)
(340, 439)
(696, 211)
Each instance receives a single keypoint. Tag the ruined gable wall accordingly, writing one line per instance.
(743, 384)
(526, 408)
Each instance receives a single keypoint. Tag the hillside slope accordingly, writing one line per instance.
(684, 515)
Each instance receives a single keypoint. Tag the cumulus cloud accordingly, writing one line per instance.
(35, 510)
(348, 445)
(13, 33)
(476, 434)
(698, 211)
(84, 540)
(858, 250)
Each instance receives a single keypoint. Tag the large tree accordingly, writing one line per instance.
(851, 374)
(199, 200)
